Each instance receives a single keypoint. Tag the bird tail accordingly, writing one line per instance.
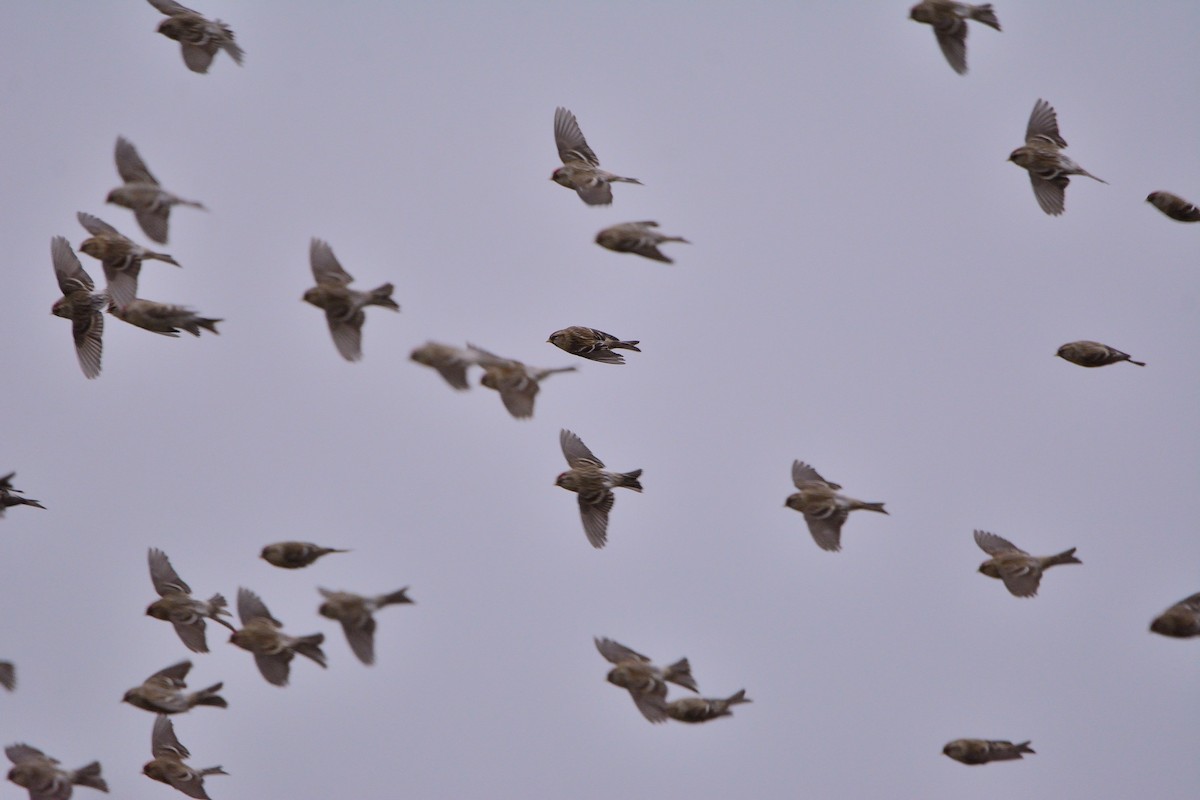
(871, 507)
(618, 179)
(984, 13)
(216, 607)
(160, 257)
(208, 697)
(382, 296)
(29, 501)
(681, 673)
(632, 344)
(1130, 360)
(674, 239)
(192, 203)
(740, 697)
(310, 647)
(1093, 177)
(630, 480)
(1023, 747)
(209, 324)
(1065, 557)
(89, 776)
(399, 596)
(213, 771)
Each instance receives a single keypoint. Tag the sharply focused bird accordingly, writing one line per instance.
(162, 318)
(42, 776)
(1174, 206)
(1093, 354)
(343, 306)
(294, 555)
(981, 751)
(592, 344)
(355, 612)
(637, 237)
(949, 22)
(517, 383)
(263, 636)
(199, 37)
(823, 508)
(581, 168)
(168, 767)
(594, 484)
(1181, 620)
(646, 683)
(142, 194)
(120, 257)
(702, 709)
(450, 362)
(1048, 168)
(1021, 572)
(177, 606)
(79, 304)
(10, 496)
(163, 692)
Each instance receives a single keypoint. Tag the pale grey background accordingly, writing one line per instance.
(871, 288)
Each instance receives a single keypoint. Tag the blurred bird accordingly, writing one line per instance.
(581, 168)
(949, 21)
(162, 318)
(1093, 354)
(177, 606)
(981, 751)
(41, 775)
(1020, 571)
(10, 496)
(1048, 168)
(1174, 206)
(150, 203)
(517, 384)
(354, 612)
(1180, 620)
(592, 344)
(702, 709)
(8, 675)
(78, 304)
(294, 555)
(647, 684)
(162, 692)
(343, 306)
(823, 508)
(120, 257)
(594, 484)
(450, 362)
(263, 636)
(168, 767)
(200, 38)
(637, 237)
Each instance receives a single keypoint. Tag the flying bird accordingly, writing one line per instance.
(592, 344)
(1048, 168)
(702, 709)
(162, 318)
(823, 508)
(1093, 354)
(1174, 206)
(637, 237)
(177, 606)
(10, 496)
(517, 383)
(120, 257)
(8, 675)
(142, 194)
(646, 683)
(581, 168)
(1181, 620)
(981, 751)
(342, 305)
(949, 22)
(163, 692)
(263, 636)
(594, 484)
(355, 613)
(1020, 571)
(42, 776)
(450, 362)
(79, 304)
(294, 555)
(199, 37)
(168, 767)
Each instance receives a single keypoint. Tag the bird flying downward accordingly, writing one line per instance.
(263, 636)
(517, 383)
(823, 508)
(646, 683)
(637, 237)
(1021, 572)
(949, 22)
(1093, 354)
(199, 37)
(594, 484)
(581, 168)
(1048, 168)
(342, 305)
(79, 304)
(177, 606)
(168, 767)
(981, 751)
(355, 612)
(141, 193)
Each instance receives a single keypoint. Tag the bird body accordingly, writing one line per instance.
(168, 767)
(1040, 156)
(79, 304)
(142, 194)
(199, 37)
(646, 683)
(581, 168)
(163, 692)
(593, 484)
(342, 305)
(10, 496)
(825, 511)
(355, 613)
(177, 606)
(294, 555)
(450, 362)
(120, 257)
(981, 751)
(702, 709)
(592, 344)
(517, 383)
(44, 778)
(637, 237)
(162, 318)
(263, 635)
(1174, 206)
(1181, 620)
(949, 22)
(1021, 572)
(1093, 354)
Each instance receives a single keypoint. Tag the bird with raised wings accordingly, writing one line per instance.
(949, 22)
(164, 692)
(119, 255)
(177, 606)
(581, 168)
(356, 614)
(588, 478)
(637, 237)
(823, 508)
(342, 305)
(646, 683)
(517, 383)
(199, 37)
(168, 767)
(1021, 572)
(142, 194)
(79, 304)
(263, 635)
(1040, 156)
(45, 778)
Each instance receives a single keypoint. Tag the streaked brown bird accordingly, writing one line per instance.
(1174, 206)
(42, 776)
(79, 304)
(1181, 620)
(294, 555)
(342, 305)
(163, 692)
(1021, 572)
(949, 22)
(142, 194)
(199, 37)
(637, 237)
(702, 709)
(119, 255)
(981, 751)
(8, 675)
(581, 168)
(10, 496)
(823, 508)
(592, 344)
(594, 484)
(1048, 168)
(646, 683)
(450, 362)
(1093, 354)
(177, 606)
(168, 767)
(162, 318)
(355, 612)
(263, 636)
(517, 383)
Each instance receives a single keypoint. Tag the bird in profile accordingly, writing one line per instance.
(981, 751)
(1021, 572)
(162, 318)
(119, 255)
(163, 692)
(646, 683)
(1174, 206)
(702, 709)
(823, 508)
(637, 237)
(592, 344)
(177, 606)
(949, 22)
(450, 362)
(263, 635)
(581, 168)
(342, 305)
(294, 555)
(168, 767)
(10, 496)
(588, 478)
(44, 778)
(517, 383)
(1048, 168)
(199, 37)
(142, 194)
(79, 304)
(1093, 354)
(1181, 620)
(8, 675)
(355, 612)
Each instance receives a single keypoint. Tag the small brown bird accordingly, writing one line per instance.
(168, 767)
(823, 508)
(1093, 354)
(1174, 206)
(294, 555)
(1048, 168)
(517, 383)
(354, 612)
(177, 606)
(647, 684)
(120, 257)
(637, 237)
(592, 344)
(981, 751)
(594, 484)
(702, 709)
(10, 496)
(8, 675)
(1181, 620)
(78, 304)
(342, 305)
(450, 362)
(949, 21)
(581, 168)
(162, 318)
(142, 194)
(162, 692)
(200, 38)
(1020, 571)
(263, 636)
(41, 775)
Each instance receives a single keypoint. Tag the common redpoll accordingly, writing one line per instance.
(343, 306)
(581, 168)
(1020, 571)
(1048, 168)
(823, 508)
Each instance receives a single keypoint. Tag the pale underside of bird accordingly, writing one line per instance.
(177, 606)
(355, 613)
(119, 255)
(1020, 571)
(517, 383)
(640, 238)
(11, 496)
(450, 362)
(983, 751)
(593, 484)
(168, 765)
(342, 305)
(262, 635)
(44, 777)
(646, 683)
(1048, 168)
(164, 692)
(162, 318)
(825, 511)
(703, 709)
(200, 38)
(1087, 353)
(142, 194)
(80, 304)
(1174, 206)
(581, 168)
(949, 22)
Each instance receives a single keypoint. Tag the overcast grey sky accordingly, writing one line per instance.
(871, 288)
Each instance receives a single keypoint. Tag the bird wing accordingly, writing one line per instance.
(192, 634)
(170, 7)
(616, 652)
(164, 577)
(1043, 124)
(67, 269)
(576, 451)
(325, 266)
(994, 545)
(1051, 194)
(274, 668)
(595, 519)
(346, 332)
(570, 142)
(163, 742)
(951, 33)
(177, 673)
(803, 473)
(250, 606)
(95, 225)
(827, 530)
(130, 165)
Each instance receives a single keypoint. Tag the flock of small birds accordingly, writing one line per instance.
(825, 509)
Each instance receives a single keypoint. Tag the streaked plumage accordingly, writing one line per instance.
(8, 675)
(702, 709)
(823, 508)
(120, 257)
(162, 318)
(142, 194)
(517, 383)
(1021, 572)
(981, 751)
(1174, 206)
(581, 168)
(78, 304)
(1093, 354)
(294, 555)
(450, 362)
(949, 22)
(342, 305)
(199, 37)
(592, 344)
(646, 683)
(168, 767)
(263, 635)
(355, 613)
(177, 606)
(163, 692)
(44, 778)
(1048, 168)
(637, 237)
(1181, 620)
(11, 496)
(594, 484)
